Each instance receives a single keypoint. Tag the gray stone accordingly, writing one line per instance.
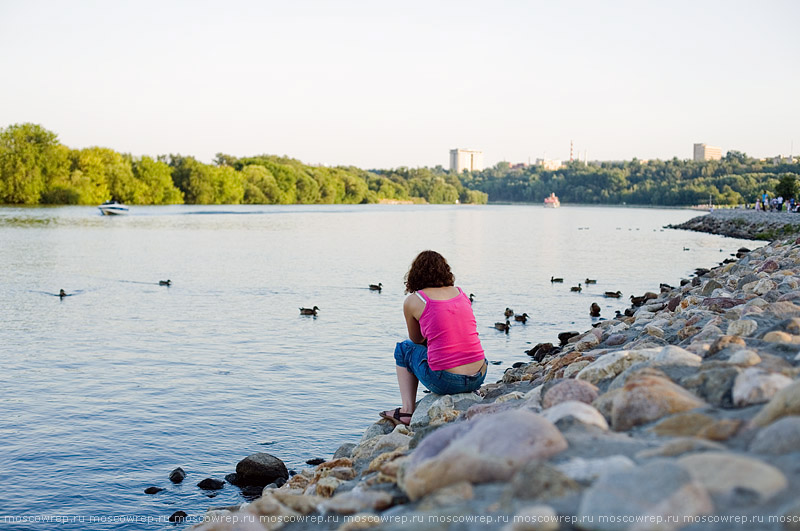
(657, 489)
(345, 450)
(472, 451)
(539, 480)
(714, 384)
(709, 287)
(780, 437)
(747, 279)
(725, 473)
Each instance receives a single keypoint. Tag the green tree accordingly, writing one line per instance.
(787, 186)
(260, 187)
(31, 159)
(156, 187)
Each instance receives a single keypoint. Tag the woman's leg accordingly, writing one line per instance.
(408, 389)
(406, 354)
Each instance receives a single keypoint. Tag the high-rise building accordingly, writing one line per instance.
(703, 152)
(465, 159)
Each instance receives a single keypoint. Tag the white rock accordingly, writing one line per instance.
(742, 327)
(580, 411)
(653, 331)
(611, 364)
(674, 355)
(744, 357)
(621, 327)
(587, 470)
(755, 386)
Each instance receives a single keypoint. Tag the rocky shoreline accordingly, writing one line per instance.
(745, 224)
(684, 414)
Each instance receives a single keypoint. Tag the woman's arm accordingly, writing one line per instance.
(412, 309)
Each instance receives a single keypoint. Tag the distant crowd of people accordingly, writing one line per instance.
(776, 204)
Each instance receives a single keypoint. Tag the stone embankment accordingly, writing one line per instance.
(683, 415)
(745, 224)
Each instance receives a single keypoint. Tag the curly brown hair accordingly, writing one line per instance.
(428, 270)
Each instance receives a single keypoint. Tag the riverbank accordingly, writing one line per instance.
(745, 224)
(685, 414)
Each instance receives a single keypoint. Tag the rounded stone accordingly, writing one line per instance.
(177, 475)
(566, 390)
(260, 469)
(742, 327)
(780, 437)
(744, 357)
(778, 337)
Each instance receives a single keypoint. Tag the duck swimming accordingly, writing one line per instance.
(164, 282)
(471, 298)
(62, 294)
(521, 318)
(509, 312)
(591, 281)
(376, 287)
(594, 310)
(503, 327)
(309, 311)
(553, 279)
(576, 288)
(613, 294)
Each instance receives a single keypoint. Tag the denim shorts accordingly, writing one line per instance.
(414, 357)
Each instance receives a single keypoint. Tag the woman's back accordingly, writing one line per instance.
(448, 324)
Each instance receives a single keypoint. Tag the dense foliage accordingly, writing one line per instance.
(36, 169)
(734, 180)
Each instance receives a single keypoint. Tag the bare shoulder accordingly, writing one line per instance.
(413, 302)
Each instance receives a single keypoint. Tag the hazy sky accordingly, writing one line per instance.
(384, 84)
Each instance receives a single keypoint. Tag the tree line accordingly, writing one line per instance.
(735, 180)
(35, 168)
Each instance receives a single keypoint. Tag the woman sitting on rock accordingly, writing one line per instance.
(443, 350)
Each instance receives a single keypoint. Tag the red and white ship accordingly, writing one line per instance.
(552, 201)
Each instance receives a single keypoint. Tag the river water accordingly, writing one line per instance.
(107, 390)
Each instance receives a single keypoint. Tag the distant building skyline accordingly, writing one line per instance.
(466, 159)
(704, 152)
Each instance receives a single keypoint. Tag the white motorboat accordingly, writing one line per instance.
(113, 208)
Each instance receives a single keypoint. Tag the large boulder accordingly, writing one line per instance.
(725, 473)
(472, 451)
(260, 469)
(659, 491)
(649, 396)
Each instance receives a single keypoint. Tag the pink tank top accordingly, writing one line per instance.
(452, 333)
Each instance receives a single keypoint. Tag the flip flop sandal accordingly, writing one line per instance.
(396, 417)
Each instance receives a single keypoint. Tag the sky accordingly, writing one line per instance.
(387, 84)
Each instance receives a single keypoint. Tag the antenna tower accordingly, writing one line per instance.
(570, 151)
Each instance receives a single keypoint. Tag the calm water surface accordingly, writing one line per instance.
(106, 391)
